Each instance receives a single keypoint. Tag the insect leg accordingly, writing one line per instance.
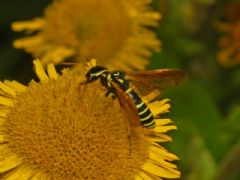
(111, 93)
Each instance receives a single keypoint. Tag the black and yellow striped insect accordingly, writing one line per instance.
(118, 83)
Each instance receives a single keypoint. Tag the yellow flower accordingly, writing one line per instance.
(116, 33)
(64, 130)
(229, 55)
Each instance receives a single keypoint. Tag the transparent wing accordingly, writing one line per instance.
(128, 105)
(160, 79)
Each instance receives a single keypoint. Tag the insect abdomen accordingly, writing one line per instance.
(145, 115)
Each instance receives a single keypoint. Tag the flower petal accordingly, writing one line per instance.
(3, 113)
(6, 101)
(161, 122)
(8, 160)
(27, 42)
(143, 176)
(15, 85)
(156, 170)
(158, 109)
(7, 89)
(40, 176)
(52, 73)
(40, 71)
(164, 153)
(21, 173)
(161, 138)
(33, 25)
(151, 96)
(158, 158)
(163, 129)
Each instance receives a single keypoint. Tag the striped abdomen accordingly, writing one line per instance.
(145, 115)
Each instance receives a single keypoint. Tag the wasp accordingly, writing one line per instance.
(118, 84)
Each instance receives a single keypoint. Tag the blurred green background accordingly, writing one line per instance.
(206, 107)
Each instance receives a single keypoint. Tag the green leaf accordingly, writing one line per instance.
(202, 164)
(229, 167)
(192, 107)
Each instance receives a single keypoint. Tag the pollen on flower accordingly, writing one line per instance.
(62, 129)
(114, 32)
(69, 130)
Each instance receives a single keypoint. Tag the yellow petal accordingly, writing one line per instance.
(151, 96)
(8, 160)
(161, 138)
(160, 103)
(40, 71)
(7, 89)
(161, 122)
(15, 85)
(27, 42)
(138, 178)
(91, 63)
(6, 101)
(160, 109)
(33, 25)
(3, 114)
(40, 176)
(143, 176)
(158, 158)
(52, 73)
(163, 152)
(163, 129)
(160, 171)
(21, 173)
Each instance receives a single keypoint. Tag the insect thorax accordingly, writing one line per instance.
(119, 78)
(96, 73)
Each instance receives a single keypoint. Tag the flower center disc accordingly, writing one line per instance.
(72, 131)
(92, 28)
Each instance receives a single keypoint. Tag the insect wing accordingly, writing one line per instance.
(160, 79)
(127, 103)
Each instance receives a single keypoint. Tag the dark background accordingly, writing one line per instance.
(205, 108)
